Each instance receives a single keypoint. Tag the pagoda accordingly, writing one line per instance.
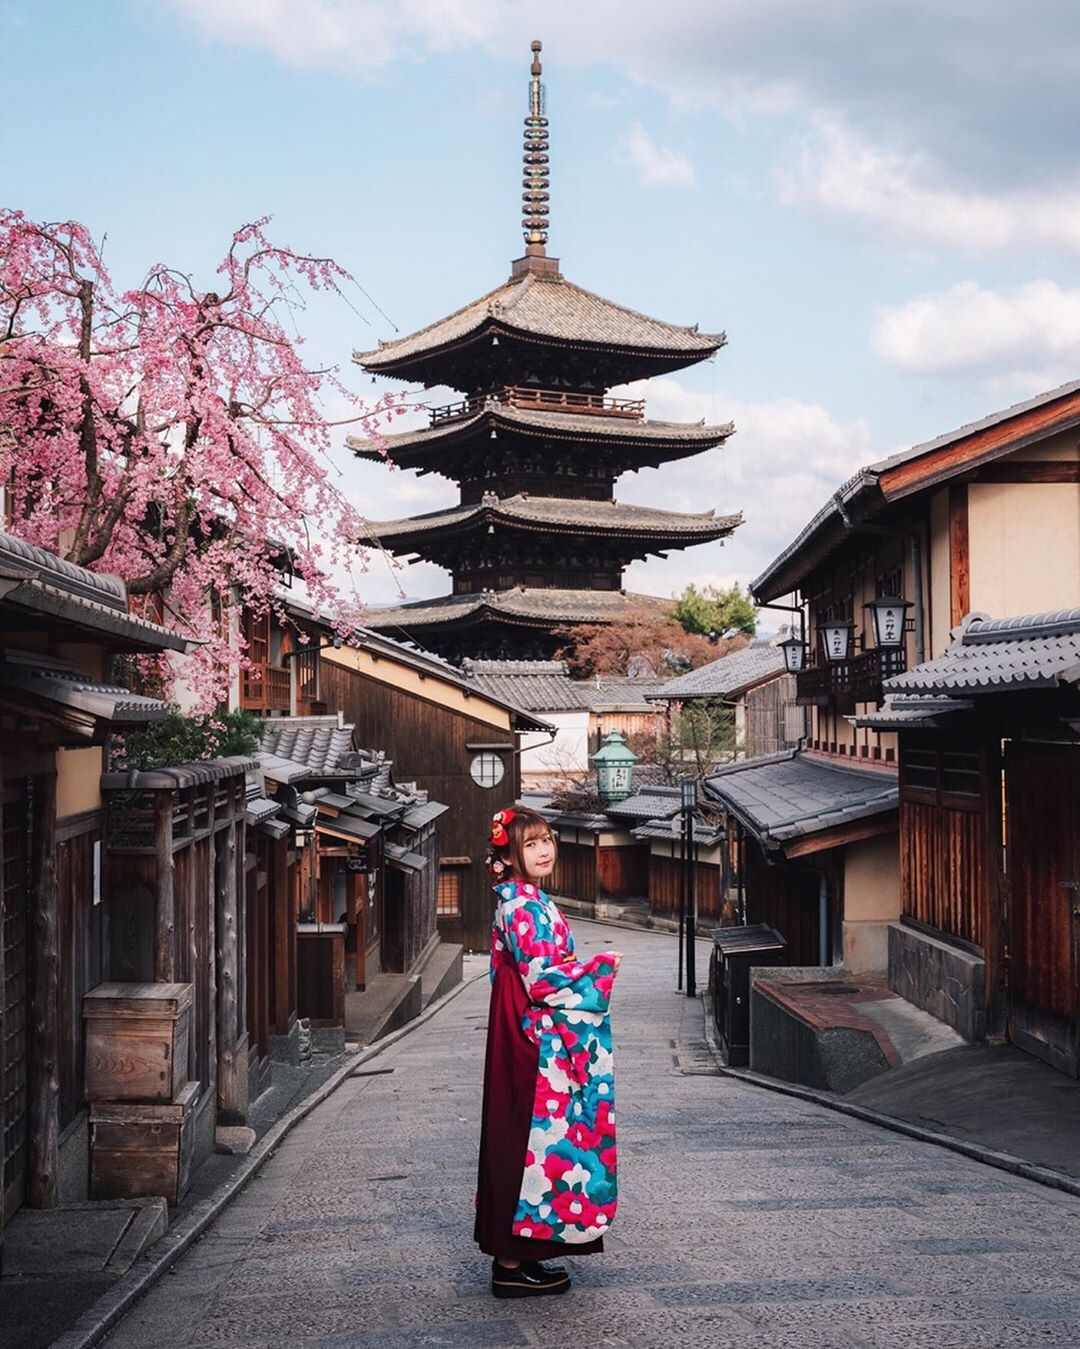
(538, 541)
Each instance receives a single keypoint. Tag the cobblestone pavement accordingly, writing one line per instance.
(746, 1218)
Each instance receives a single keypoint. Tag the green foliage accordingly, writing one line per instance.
(182, 739)
(716, 613)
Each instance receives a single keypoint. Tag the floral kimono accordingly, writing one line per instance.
(547, 1150)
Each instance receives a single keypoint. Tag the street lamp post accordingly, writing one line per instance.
(688, 914)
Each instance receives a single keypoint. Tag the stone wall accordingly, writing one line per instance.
(943, 980)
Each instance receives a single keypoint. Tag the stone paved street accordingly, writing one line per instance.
(746, 1218)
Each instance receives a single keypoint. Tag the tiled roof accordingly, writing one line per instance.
(59, 681)
(1033, 651)
(546, 686)
(729, 675)
(784, 797)
(911, 711)
(179, 775)
(546, 307)
(551, 425)
(553, 513)
(321, 748)
(538, 606)
(19, 557)
(705, 835)
(652, 803)
(862, 487)
(47, 584)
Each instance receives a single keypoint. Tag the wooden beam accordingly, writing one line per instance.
(6, 786)
(843, 834)
(1031, 471)
(231, 1105)
(993, 442)
(43, 1134)
(959, 554)
(165, 913)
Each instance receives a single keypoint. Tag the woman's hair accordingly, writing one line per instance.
(511, 829)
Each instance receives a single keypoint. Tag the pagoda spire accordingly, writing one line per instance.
(536, 181)
(535, 198)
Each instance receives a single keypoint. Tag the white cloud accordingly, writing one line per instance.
(895, 195)
(1028, 337)
(657, 165)
(784, 460)
(932, 129)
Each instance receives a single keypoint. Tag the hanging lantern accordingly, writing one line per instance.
(889, 614)
(614, 762)
(836, 639)
(794, 654)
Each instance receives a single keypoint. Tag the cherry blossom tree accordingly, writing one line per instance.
(174, 435)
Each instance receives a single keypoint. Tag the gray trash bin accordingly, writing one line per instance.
(735, 950)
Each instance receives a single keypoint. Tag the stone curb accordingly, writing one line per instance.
(92, 1327)
(1003, 1161)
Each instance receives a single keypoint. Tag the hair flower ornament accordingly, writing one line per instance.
(499, 821)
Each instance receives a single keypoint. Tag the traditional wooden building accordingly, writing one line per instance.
(58, 704)
(536, 444)
(364, 894)
(454, 740)
(989, 751)
(986, 517)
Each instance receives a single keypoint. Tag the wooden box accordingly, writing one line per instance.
(138, 1150)
(137, 1041)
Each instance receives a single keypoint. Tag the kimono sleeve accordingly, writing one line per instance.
(551, 979)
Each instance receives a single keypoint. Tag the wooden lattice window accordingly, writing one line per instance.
(448, 895)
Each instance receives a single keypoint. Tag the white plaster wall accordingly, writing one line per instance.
(1025, 547)
(543, 759)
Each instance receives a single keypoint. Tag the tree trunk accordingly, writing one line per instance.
(44, 1056)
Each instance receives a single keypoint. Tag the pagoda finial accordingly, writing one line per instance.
(536, 181)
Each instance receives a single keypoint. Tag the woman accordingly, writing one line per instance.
(547, 1142)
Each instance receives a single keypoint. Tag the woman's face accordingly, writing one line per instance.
(538, 854)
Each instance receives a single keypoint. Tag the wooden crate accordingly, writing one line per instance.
(138, 1150)
(137, 1041)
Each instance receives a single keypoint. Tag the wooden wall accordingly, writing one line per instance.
(946, 834)
(787, 897)
(665, 887)
(81, 952)
(428, 744)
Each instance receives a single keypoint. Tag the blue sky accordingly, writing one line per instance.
(878, 202)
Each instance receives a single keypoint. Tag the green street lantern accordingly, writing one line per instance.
(614, 762)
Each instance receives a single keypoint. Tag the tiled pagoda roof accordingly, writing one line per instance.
(561, 514)
(410, 447)
(536, 608)
(546, 308)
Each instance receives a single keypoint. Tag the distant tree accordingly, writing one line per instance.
(715, 612)
(171, 433)
(647, 637)
(694, 740)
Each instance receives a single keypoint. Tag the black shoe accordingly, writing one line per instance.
(530, 1279)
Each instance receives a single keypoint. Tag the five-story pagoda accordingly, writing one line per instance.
(538, 541)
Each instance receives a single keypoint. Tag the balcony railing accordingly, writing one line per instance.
(548, 400)
(266, 688)
(858, 680)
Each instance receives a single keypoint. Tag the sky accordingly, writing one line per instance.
(877, 200)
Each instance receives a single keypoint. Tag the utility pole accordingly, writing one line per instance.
(688, 912)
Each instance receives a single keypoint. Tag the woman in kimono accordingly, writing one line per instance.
(546, 1182)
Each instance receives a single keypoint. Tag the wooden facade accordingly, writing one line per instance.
(600, 866)
(175, 898)
(435, 743)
